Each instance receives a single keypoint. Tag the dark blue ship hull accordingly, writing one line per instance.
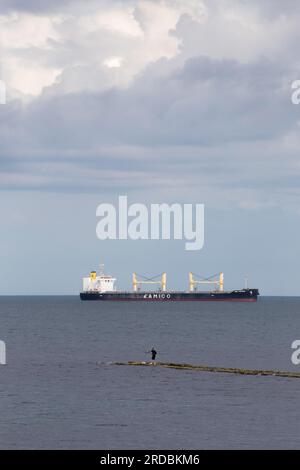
(242, 295)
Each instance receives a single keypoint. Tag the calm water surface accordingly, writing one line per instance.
(54, 395)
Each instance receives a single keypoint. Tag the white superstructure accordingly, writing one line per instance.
(101, 283)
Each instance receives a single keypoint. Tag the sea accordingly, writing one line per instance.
(61, 390)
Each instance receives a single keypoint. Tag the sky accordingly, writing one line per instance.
(165, 101)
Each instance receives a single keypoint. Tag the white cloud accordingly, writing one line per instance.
(39, 51)
(66, 48)
(113, 62)
(21, 32)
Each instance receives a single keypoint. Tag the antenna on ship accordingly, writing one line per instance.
(101, 269)
(246, 282)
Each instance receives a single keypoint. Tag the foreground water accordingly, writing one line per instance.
(54, 395)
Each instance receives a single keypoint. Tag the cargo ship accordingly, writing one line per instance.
(102, 287)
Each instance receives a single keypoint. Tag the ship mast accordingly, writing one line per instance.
(101, 269)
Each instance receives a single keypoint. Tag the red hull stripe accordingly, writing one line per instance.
(172, 300)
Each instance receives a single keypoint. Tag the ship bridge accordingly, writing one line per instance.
(99, 283)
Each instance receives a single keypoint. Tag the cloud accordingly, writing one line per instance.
(189, 125)
(34, 6)
(51, 48)
(275, 8)
(200, 100)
